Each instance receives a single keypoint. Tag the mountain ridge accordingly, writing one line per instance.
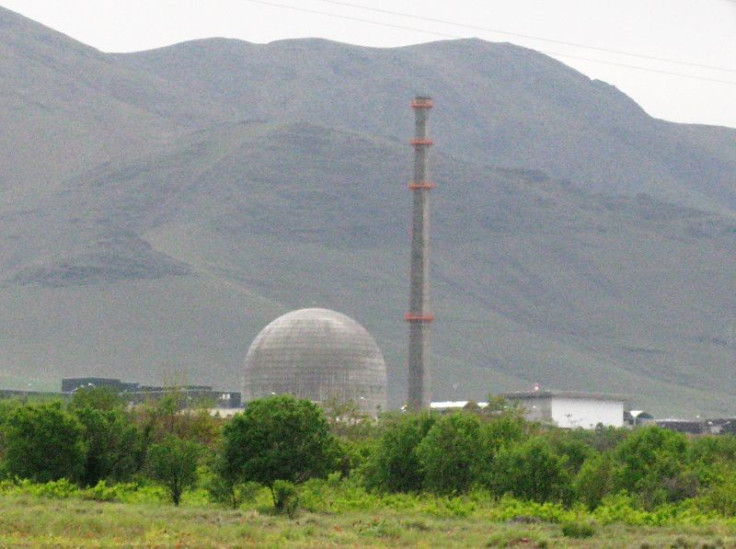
(493, 106)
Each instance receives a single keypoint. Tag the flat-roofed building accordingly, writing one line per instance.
(569, 409)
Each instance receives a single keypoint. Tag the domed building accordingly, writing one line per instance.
(320, 355)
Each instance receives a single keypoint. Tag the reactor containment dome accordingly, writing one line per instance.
(319, 355)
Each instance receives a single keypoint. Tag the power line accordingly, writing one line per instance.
(553, 54)
(644, 69)
(348, 18)
(528, 36)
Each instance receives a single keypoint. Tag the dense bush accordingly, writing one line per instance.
(451, 454)
(97, 398)
(531, 470)
(578, 530)
(285, 497)
(720, 496)
(395, 465)
(278, 438)
(112, 445)
(43, 443)
(503, 427)
(653, 466)
(596, 480)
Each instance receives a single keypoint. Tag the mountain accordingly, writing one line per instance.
(215, 185)
(67, 106)
(498, 104)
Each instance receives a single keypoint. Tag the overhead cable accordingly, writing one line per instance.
(547, 52)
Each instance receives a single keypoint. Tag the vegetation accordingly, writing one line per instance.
(451, 454)
(532, 471)
(43, 443)
(404, 479)
(278, 439)
(394, 465)
(173, 463)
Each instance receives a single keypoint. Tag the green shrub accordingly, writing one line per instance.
(595, 480)
(285, 497)
(620, 508)
(112, 444)
(578, 530)
(394, 465)
(509, 508)
(43, 442)
(55, 489)
(721, 495)
(234, 495)
(652, 466)
(451, 454)
(102, 491)
(532, 471)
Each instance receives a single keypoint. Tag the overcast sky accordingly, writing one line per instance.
(676, 58)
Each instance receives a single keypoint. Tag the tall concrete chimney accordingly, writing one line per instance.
(419, 317)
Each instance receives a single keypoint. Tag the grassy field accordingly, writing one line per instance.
(36, 521)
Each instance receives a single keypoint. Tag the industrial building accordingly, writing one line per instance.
(136, 393)
(569, 409)
(319, 355)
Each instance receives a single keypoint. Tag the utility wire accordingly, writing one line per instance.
(348, 18)
(553, 54)
(527, 36)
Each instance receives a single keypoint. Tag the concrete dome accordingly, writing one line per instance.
(317, 354)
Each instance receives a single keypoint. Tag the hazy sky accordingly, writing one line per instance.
(676, 58)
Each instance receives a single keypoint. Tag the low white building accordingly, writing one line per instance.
(569, 409)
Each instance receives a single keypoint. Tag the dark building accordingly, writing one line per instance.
(137, 393)
(71, 384)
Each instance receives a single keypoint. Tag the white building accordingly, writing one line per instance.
(571, 409)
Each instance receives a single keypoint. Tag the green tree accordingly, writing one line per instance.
(394, 465)
(604, 439)
(720, 495)
(97, 398)
(224, 484)
(596, 479)
(503, 428)
(451, 454)
(653, 466)
(531, 470)
(574, 445)
(173, 463)
(172, 414)
(112, 444)
(44, 443)
(720, 448)
(7, 407)
(278, 438)
(347, 421)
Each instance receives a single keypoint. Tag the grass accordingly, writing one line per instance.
(28, 520)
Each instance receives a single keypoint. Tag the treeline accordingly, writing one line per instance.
(282, 442)
(497, 450)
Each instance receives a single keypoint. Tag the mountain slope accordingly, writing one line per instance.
(534, 280)
(497, 103)
(66, 106)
